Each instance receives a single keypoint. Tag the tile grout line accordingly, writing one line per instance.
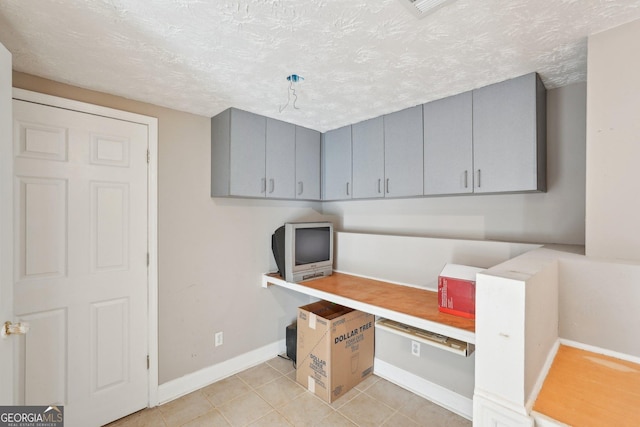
(286, 373)
(255, 390)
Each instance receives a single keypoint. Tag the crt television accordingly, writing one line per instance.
(303, 250)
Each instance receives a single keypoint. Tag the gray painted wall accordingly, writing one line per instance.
(598, 303)
(212, 252)
(613, 146)
(446, 369)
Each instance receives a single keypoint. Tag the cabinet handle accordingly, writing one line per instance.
(300, 185)
(379, 187)
(466, 181)
(263, 185)
(387, 189)
(272, 185)
(478, 178)
(347, 188)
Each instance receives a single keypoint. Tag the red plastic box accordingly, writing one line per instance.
(457, 290)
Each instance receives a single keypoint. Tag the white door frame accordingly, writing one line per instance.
(7, 347)
(152, 209)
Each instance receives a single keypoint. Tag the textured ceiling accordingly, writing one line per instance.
(359, 58)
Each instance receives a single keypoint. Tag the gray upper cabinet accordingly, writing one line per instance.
(255, 156)
(490, 140)
(403, 153)
(238, 154)
(368, 159)
(307, 164)
(336, 164)
(509, 136)
(220, 136)
(280, 160)
(448, 145)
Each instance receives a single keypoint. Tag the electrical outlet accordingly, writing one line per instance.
(218, 339)
(415, 348)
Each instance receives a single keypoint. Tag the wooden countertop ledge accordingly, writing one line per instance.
(588, 389)
(420, 303)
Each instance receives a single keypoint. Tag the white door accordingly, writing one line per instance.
(80, 261)
(6, 248)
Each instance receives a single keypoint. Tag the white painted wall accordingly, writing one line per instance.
(541, 324)
(613, 144)
(553, 217)
(417, 261)
(516, 329)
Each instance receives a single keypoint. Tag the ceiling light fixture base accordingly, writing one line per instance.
(422, 8)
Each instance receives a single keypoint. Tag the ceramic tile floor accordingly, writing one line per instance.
(268, 395)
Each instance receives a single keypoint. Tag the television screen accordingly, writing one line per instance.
(303, 250)
(312, 245)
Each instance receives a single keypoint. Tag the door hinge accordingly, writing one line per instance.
(148, 156)
(147, 361)
(147, 259)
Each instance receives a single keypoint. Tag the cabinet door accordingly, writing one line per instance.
(336, 164)
(280, 159)
(509, 136)
(368, 158)
(448, 145)
(307, 164)
(247, 154)
(403, 153)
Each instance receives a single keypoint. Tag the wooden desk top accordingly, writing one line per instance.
(416, 302)
(588, 389)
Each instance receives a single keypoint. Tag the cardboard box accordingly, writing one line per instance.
(457, 290)
(335, 348)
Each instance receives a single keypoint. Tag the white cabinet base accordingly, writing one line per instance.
(488, 413)
(544, 421)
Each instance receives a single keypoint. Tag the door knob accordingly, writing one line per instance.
(14, 329)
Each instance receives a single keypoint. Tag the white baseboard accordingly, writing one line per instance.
(542, 376)
(444, 397)
(601, 350)
(191, 382)
(174, 389)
